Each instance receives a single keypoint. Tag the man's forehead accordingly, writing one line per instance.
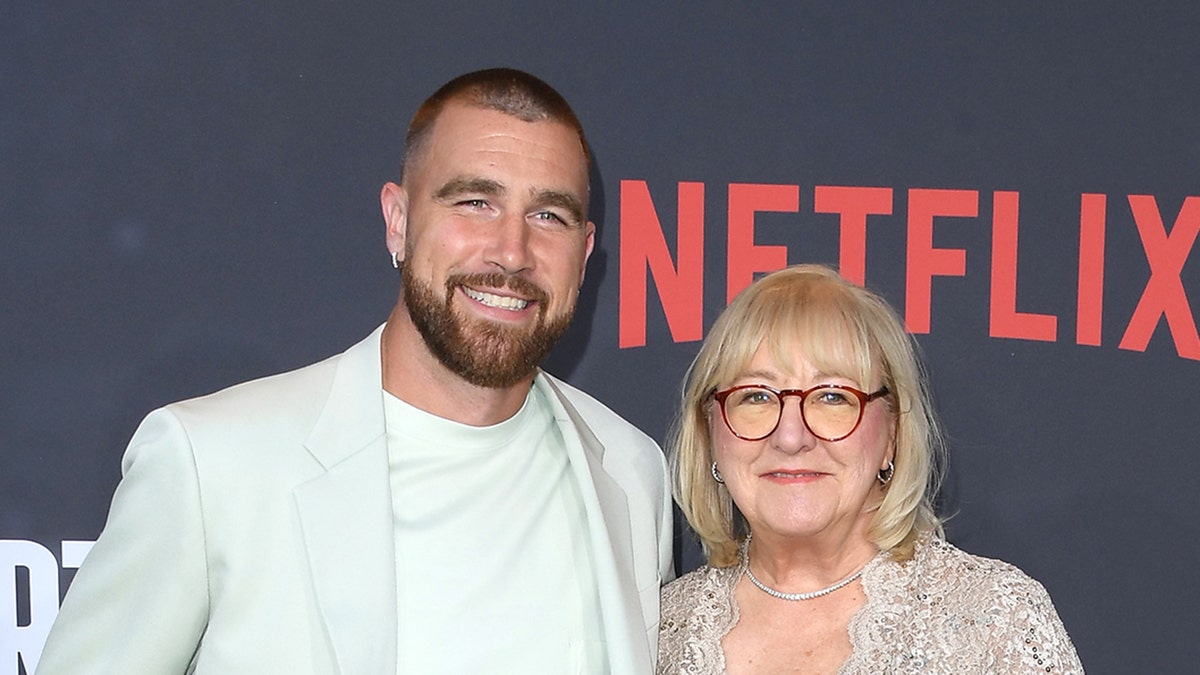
(476, 143)
(463, 122)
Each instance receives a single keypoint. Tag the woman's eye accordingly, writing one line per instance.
(832, 397)
(755, 397)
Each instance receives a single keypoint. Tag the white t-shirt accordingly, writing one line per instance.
(493, 561)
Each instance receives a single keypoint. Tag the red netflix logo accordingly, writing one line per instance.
(680, 281)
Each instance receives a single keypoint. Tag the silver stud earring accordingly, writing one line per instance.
(885, 475)
(717, 474)
(395, 261)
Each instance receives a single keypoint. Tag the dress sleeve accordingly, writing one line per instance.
(139, 602)
(697, 612)
(1030, 636)
(671, 625)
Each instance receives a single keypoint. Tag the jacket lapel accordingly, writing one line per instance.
(611, 541)
(346, 517)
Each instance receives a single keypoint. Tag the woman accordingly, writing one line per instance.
(806, 458)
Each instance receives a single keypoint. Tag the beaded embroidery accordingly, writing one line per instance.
(946, 611)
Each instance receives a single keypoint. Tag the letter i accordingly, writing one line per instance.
(1091, 268)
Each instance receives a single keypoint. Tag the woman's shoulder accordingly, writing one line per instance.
(702, 583)
(938, 563)
(697, 611)
(953, 611)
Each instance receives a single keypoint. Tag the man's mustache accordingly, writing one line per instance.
(518, 285)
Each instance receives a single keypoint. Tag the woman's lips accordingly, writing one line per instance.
(793, 477)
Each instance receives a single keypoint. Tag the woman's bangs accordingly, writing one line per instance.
(832, 341)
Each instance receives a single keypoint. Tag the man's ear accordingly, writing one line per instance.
(589, 244)
(393, 199)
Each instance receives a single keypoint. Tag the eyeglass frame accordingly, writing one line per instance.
(782, 394)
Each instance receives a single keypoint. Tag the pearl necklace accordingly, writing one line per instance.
(797, 596)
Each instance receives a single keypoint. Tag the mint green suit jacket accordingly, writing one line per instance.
(252, 533)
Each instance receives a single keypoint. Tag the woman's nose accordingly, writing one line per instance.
(792, 433)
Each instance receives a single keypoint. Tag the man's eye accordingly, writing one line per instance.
(549, 216)
(473, 203)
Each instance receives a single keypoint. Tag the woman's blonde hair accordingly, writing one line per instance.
(842, 329)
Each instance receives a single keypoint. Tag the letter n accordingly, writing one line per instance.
(644, 246)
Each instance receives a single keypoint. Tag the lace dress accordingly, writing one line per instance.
(945, 611)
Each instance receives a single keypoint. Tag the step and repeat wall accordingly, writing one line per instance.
(189, 199)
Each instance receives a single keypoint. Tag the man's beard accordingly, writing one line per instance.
(484, 353)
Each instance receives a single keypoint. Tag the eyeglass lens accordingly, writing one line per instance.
(830, 412)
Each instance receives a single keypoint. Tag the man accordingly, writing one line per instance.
(426, 502)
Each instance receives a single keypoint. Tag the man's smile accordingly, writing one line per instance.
(493, 300)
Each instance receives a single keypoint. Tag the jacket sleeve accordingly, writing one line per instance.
(139, 602)
(666, 528)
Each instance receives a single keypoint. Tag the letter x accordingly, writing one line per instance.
(1164, 293)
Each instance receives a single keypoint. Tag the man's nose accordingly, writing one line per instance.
(508, 247)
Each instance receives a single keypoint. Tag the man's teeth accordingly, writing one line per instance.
(493, 300)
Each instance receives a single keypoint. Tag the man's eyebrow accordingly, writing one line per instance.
(563, 200)
(468, 185)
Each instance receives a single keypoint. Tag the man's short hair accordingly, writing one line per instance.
(512, 92)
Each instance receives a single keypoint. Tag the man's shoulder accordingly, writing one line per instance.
(301, 392)
(276, 392)
(297, 393)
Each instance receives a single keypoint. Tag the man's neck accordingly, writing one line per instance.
(414, 375)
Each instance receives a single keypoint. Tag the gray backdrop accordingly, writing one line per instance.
(189, 198)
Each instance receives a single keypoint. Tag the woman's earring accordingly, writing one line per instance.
(717, 474)
(885, 475)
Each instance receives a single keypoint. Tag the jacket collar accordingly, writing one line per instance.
(352, 418)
